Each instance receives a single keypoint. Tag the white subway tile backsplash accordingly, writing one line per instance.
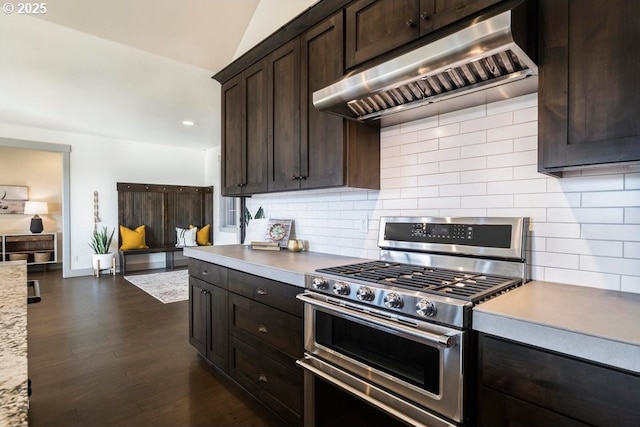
(632, 215)
(440, 179)
(419, 147)
(632, 181)
(583, 278)
(482, 161)
(514, 159)
(611, 232)
(557, 260)
(464, 139)
(463, 164)
(517, 187)
(632, 250)
(438, 156)
(513, 131)
(488, 149)
(439, 132)
(610, 265)
(502, 201)
(489, 122)
(586, 215)
(486, 175)
(585, 247)
(463, 189)
(547, 200)
(611, 198)
(630, 284)
(586, 184)
(525, 115)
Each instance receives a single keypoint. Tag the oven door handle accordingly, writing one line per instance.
(438, 340)
(369, 393)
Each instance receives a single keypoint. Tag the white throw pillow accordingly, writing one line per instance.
(186, 237)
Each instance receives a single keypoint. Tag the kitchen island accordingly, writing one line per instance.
(14, 401)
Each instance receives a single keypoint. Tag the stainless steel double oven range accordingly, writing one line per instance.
(389, 342)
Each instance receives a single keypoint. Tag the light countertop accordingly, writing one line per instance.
(283, 266)
(14, 402)
(598, 325)
(594, 324)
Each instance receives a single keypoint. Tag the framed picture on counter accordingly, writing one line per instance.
(278, 230)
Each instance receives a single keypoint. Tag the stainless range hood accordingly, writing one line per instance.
(488, 60)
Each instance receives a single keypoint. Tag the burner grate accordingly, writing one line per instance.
(455, 284)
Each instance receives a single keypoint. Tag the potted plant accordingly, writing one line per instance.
(100, 243)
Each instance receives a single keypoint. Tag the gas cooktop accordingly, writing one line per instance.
(467, 286)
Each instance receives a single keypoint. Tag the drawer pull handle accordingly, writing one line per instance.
(261, 291)
(263, 329)
(205, 272)
(263, 378)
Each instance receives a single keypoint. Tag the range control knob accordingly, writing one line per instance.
(340, 288)
(365, 293)
(319, 283)
(392, 300)
(425, 308)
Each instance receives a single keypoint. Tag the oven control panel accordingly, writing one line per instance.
(442, 231)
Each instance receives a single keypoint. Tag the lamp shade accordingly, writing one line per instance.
(35, 208)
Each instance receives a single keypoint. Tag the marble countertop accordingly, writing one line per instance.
(14, 402)
(283, 266)
(594, 324)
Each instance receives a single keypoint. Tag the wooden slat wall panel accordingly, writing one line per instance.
(162, 208)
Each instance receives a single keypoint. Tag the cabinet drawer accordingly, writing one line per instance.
(275, 294)
(276, 385)
(587, 392)
(273, 327)
(210, 273)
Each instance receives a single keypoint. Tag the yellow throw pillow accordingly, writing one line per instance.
(202, 235)
(132, 239)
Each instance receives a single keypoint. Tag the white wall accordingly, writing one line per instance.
(482, 162)
(268, 17)
(97, 164)
(213, 174)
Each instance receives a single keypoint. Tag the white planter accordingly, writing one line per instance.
(103, 262)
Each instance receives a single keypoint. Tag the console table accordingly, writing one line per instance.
(37, 249)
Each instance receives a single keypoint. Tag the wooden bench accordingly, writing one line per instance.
(162, 209)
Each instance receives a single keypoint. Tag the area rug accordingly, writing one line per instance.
(171, 286)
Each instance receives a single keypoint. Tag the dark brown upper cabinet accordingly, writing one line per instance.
(244, 132)
(375, 27)
(283, 112)
(334, 151)
(589, 84)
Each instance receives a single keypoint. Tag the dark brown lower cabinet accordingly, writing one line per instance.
(520, 385)
(208, 321)
(251, 328)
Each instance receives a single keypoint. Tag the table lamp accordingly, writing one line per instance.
(36, 208)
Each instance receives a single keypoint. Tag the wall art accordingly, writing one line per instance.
(12, 198)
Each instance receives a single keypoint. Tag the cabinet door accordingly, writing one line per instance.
(589, 83)
(218, 342)
(244, 132)
(435, 14)
(374, 27)
(284, 117)
(255, 129)
(231, 144)
(198, 315)
(322, 134)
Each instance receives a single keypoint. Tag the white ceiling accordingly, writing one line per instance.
(124, 69)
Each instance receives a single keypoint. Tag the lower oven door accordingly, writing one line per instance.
(420, 362)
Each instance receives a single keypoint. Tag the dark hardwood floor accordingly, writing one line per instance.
(104, 353)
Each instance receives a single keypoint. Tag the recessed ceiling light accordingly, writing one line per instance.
(187, 123)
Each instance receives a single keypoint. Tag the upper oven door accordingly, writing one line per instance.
(419, 361)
